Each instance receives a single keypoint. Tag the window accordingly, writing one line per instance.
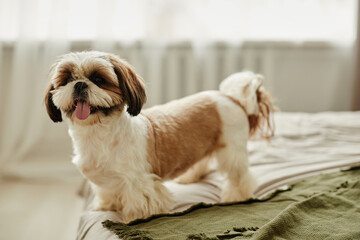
(172, 20)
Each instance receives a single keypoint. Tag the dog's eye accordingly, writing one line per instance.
(98, 80)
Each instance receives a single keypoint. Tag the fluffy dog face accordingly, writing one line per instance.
(89, 86)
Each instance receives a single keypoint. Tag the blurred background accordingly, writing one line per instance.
(306, 49)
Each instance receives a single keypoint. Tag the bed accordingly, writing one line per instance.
(308, 189)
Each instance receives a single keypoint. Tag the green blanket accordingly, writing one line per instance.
(326, 206)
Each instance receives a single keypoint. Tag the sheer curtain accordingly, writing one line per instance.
(26, 59)
(356, 84)
(34, 32)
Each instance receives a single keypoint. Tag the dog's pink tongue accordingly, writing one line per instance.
(82, 110)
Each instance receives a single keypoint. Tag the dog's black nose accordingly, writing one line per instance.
(80, 86)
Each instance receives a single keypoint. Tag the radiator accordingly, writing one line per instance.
(307, 77)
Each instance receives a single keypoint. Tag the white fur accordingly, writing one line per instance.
(233, 159)
(120, 174)
(235, 84)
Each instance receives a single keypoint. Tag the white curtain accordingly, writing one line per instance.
(26, 60)
(34, 32)
(173, 20)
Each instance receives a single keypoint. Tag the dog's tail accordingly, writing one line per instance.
(246, 89)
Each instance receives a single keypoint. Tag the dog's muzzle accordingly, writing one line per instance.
(80, 91)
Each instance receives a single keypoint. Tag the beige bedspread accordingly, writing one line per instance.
(304, 145)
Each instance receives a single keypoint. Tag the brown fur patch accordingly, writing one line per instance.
(132, 86)
(52, 110)
(63, 74)
(94, 69)
(182, 133)
(114, 92)
(115, 143)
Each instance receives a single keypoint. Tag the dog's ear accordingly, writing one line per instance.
(52, 110)
(132, 86)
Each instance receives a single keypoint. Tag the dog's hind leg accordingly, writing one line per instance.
(233, 161)
(196, 172)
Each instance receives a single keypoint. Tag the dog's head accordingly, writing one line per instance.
(89, 86)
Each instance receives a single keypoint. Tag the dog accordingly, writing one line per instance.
(126, 153)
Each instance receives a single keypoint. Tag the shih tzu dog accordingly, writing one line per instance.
(126, 153)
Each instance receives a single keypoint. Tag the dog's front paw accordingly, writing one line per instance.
(145, 208)
(100, 207)
(129, 215)
(155, 200)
